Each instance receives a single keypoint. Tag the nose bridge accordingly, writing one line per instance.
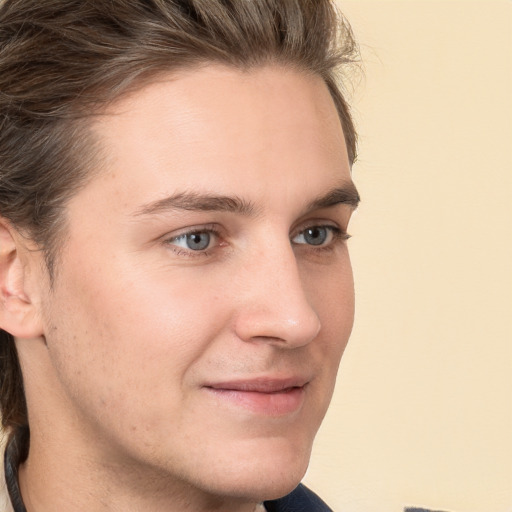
(275, 306)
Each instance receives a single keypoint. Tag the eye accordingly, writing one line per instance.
(196, 241)
(316, 235)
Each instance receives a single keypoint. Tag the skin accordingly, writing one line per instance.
(127, 355)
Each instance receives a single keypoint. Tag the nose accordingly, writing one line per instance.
(274, 305)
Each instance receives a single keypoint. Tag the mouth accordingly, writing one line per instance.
(265, 396)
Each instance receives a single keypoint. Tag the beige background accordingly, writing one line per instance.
(423, 410)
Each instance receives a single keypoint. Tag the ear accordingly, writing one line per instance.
(19, 314)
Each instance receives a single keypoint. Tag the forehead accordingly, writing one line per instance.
(217, 126)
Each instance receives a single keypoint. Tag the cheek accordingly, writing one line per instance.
(330, 291)
(126, 337)
(331, 294)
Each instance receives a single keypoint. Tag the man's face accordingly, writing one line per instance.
(204, 292)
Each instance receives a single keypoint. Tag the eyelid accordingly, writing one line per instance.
(335, 231)
(190, 230)
(212, 229)
(315, 223)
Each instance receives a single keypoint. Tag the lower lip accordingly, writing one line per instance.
(270, 404)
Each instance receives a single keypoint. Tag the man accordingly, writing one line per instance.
(176, 291)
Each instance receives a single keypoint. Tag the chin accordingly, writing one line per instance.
(266, 474)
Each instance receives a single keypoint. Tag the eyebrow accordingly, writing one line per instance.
(193, 201)
(345, 194)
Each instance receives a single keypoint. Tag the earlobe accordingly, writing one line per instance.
(18, 312)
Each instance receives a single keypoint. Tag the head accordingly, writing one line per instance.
(94, 97)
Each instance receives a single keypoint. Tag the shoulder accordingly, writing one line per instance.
(299, 500)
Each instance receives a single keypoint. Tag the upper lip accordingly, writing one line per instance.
(260, 385)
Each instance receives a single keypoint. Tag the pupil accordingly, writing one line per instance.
(198, 241)
(315, 236)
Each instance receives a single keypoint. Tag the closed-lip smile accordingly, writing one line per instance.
(271, 396)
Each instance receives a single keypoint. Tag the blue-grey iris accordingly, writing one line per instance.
(198, 241)
(316, 235)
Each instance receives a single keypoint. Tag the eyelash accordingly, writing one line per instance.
(180, 251)
(338, 236)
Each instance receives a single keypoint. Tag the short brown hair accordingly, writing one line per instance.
(62, 60)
